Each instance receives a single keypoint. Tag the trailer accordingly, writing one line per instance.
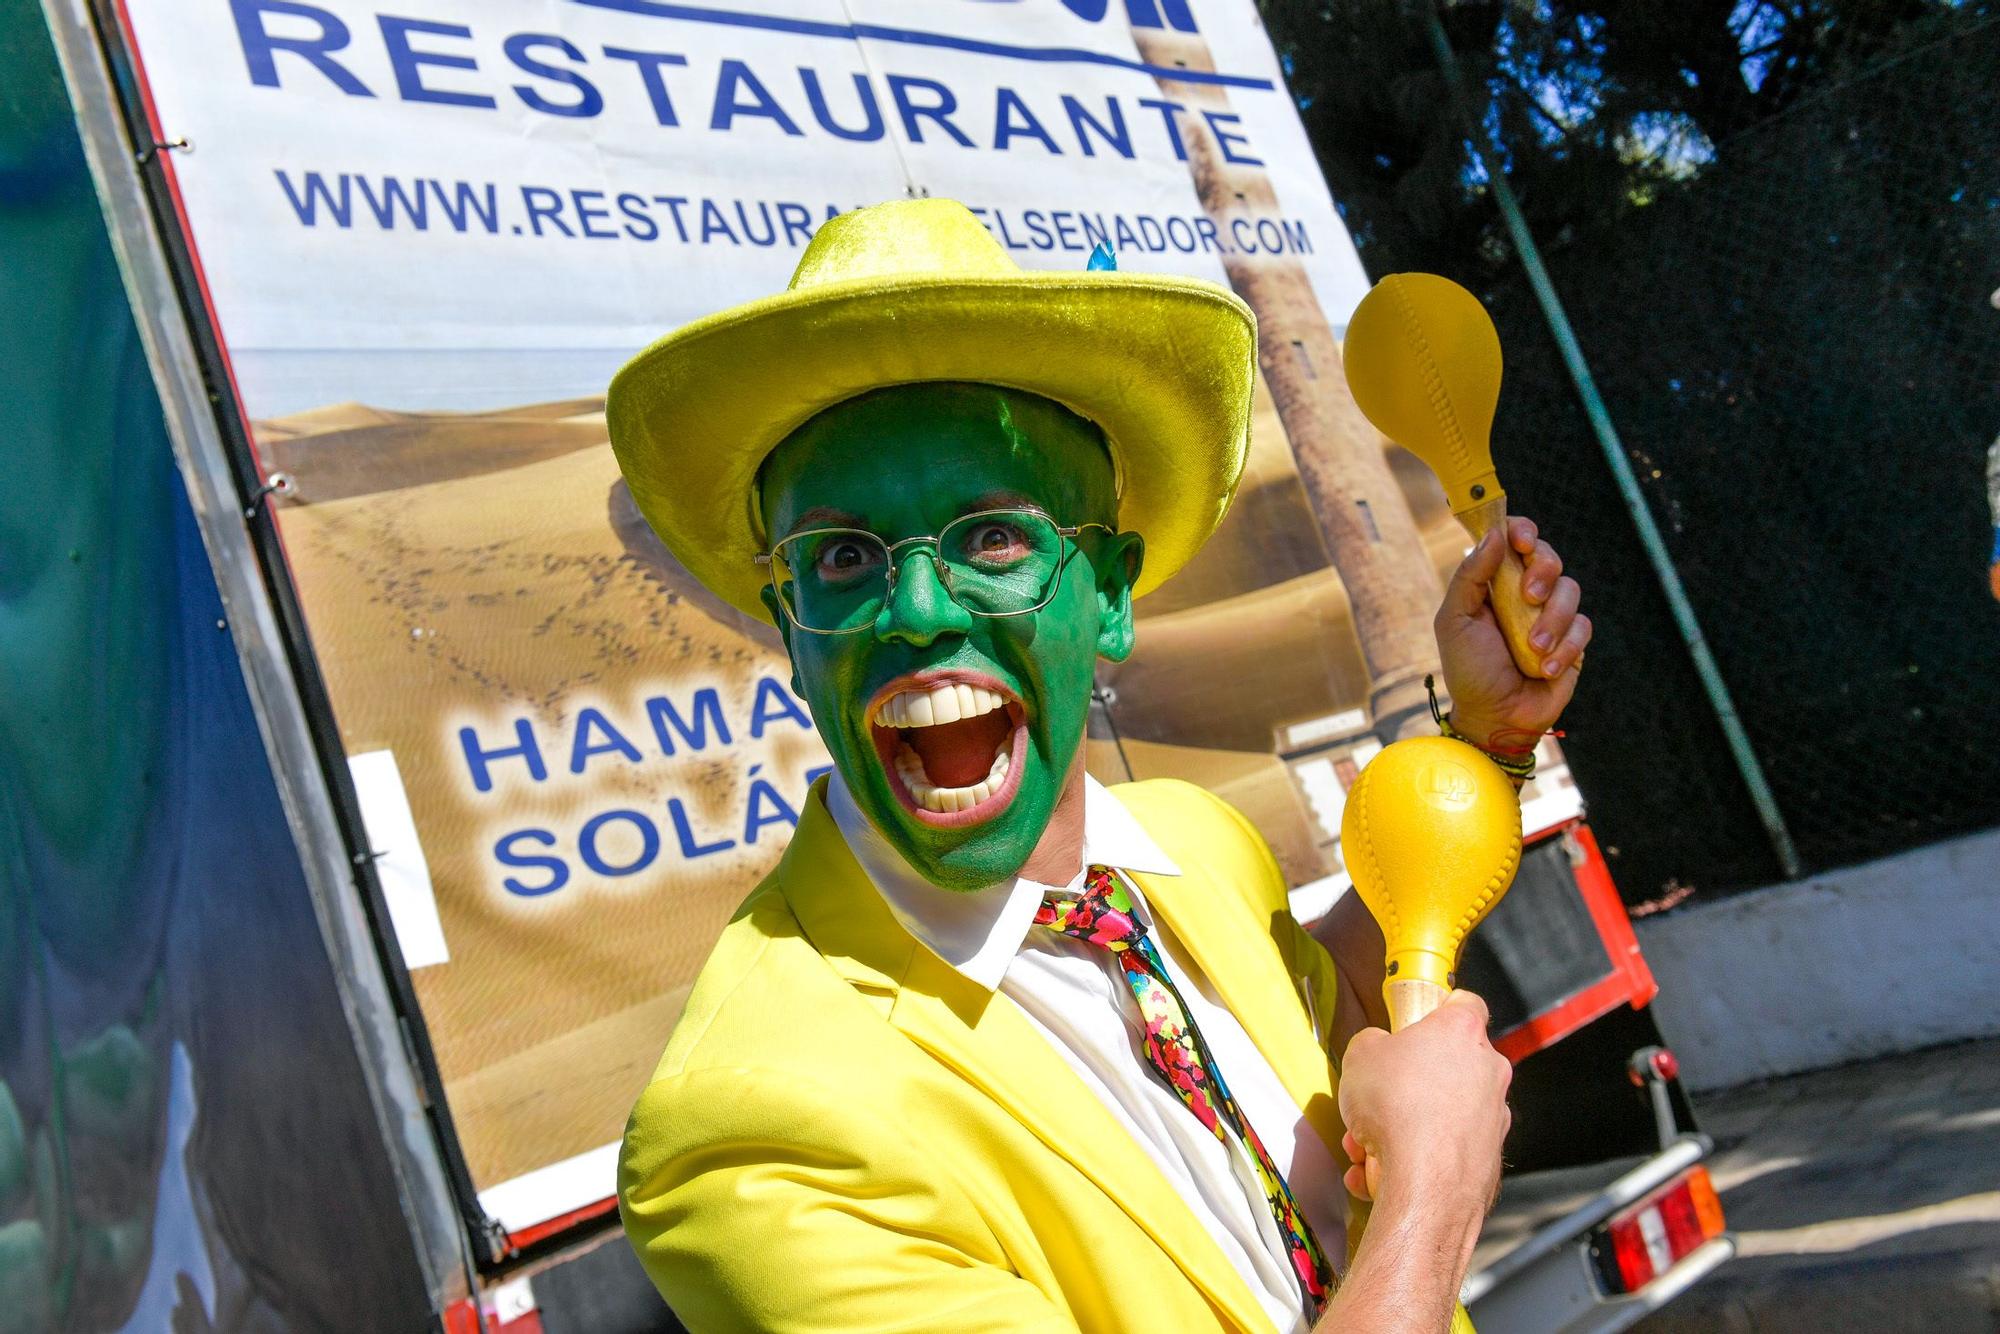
(1606, 1211)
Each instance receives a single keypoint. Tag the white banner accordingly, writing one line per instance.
(473, 203)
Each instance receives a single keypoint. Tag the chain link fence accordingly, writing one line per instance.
(1799, 353)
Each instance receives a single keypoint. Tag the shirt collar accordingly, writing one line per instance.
(979, 933)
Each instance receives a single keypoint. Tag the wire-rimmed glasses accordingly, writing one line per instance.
(995, 562)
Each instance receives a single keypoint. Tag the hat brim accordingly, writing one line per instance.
(1165, 366)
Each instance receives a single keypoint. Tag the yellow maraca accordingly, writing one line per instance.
(1432, 838)
(1423, 362)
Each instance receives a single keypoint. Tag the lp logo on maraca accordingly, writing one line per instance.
(1446, 786)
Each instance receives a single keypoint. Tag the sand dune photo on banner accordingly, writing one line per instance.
(602, 759)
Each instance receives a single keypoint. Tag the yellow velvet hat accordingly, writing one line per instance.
(917, 291)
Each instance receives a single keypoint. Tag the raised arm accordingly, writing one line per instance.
(1492, 705)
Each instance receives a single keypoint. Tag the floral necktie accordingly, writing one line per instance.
(1102, 915)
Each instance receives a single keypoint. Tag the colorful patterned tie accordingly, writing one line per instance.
(1102, 915)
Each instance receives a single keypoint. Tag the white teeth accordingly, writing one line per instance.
(944, 800)
(949, 703)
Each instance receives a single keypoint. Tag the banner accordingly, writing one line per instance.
(429, 234)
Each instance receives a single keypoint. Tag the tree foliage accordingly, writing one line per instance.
(1592, 107)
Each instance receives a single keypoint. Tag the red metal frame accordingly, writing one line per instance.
(1630, 981)
(462, 1317)
(528, 1236)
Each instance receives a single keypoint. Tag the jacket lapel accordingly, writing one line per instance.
(987, 1041)
(839, 910)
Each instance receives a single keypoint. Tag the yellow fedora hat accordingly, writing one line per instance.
(918, 291)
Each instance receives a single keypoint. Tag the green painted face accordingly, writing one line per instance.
(903, 463)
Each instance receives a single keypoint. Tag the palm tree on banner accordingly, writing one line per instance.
(1362, 514)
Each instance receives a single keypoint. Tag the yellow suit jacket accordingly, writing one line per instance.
(846, 1135)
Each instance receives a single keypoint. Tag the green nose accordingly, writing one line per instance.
(919, 610)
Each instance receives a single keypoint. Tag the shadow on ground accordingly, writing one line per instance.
(1863, 1198)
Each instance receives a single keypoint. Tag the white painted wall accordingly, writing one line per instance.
(1885, 957)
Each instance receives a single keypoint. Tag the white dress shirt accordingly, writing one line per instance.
(1079, 1001)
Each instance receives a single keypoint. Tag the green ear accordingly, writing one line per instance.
(770, 596)
(1117, 560)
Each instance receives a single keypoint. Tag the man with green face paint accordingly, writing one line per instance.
(997, 455)
(995, 1047)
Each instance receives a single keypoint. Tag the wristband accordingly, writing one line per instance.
(1517, 765)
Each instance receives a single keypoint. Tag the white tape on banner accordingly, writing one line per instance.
(552, 1191)
(399, 858)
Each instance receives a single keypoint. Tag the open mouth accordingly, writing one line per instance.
(952, 744)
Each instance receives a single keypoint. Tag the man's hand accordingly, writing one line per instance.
(1353, 940)
(1426, 1111)
(1427, 1105)
(1491, 702)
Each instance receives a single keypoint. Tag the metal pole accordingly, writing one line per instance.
(1712, 683)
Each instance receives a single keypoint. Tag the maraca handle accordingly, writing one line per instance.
(1410, 999)
(1515, 613)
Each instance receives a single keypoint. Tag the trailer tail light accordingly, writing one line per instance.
(1648, 1239)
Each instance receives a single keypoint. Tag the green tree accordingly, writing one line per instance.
(1592, 107)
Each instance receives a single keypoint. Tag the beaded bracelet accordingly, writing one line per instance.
(1517, 765)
